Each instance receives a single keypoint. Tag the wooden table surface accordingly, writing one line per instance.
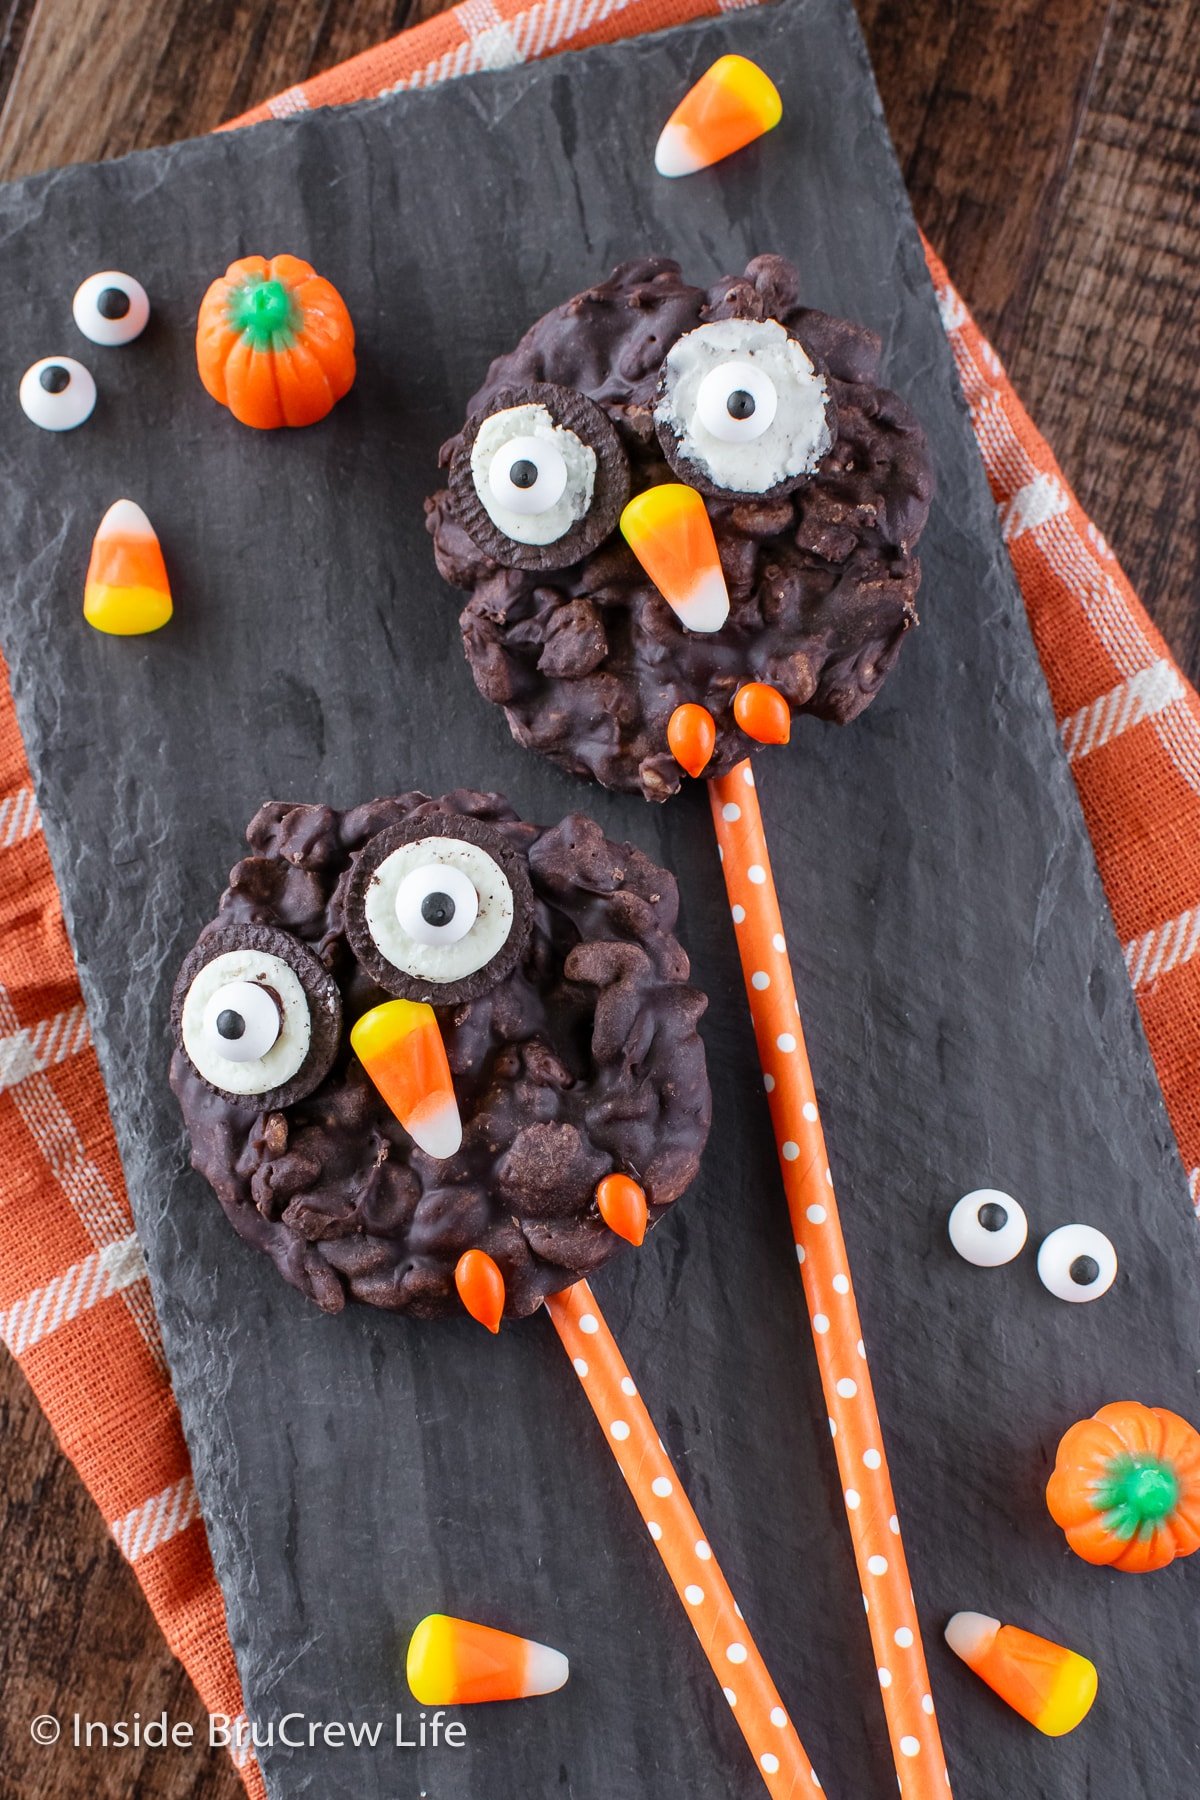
(1052, 149)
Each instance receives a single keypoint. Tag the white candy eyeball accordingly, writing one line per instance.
(111, 308)
(57, 393)
(988, 1228)
(528, 476)
(737, 402)
(437, 904)
(246, 1022)
(1077, 1263)
(242, 1021)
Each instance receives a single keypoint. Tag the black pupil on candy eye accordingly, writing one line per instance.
(112, 303)
(55, 378)
(437, 909)
(1084, 1270)
(523, 473)
(230, 1024)
(992, 1217)
(740, 404)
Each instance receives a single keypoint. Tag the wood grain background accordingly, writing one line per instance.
(1052, 149)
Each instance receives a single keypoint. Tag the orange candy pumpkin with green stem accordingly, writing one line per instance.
(274, 342)
(1126, 1487)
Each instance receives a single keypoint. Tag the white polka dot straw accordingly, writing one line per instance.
(829, 1292)
(684, 1548)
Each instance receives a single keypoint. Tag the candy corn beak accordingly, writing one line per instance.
(729, 107)
(452, 1662)
(400, 1046)
(1051, 1687)
(126, 591)
(669, 531)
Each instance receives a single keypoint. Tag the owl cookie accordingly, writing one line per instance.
(422, 1030)
(816, 483)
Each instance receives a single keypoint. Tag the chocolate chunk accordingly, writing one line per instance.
(578, 1056)
(571, 411)
(822, 578)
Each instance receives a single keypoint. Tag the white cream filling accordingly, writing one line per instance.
(286, 1056)
(534, 421)
(798, 435)
(453, 958)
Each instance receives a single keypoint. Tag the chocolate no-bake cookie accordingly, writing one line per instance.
(570, 1035)
(817, 482)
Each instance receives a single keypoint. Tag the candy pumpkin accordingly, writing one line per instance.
(274, 342)
(1126, 1487)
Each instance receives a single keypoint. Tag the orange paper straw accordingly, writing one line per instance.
(828, 1290)
(712, 1612)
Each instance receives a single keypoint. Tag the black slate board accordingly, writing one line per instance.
(969, 1015)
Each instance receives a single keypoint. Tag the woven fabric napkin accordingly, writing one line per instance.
(75, 1306)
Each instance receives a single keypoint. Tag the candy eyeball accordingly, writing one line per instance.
(528, 476)
(736, 402)
(988, 1228)
(57, 393)
(243, 1019)
(257, 1014)
(742, 409)
(1077, 1263)
(539, 480)
(438, 910)
(111, 308)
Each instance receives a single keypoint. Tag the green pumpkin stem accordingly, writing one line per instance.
(264, 313)
(1136, 1494)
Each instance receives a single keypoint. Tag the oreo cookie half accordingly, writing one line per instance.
(438, 910)
(539, 479)
(257, 1015)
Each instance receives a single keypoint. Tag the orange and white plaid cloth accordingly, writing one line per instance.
(75, 1307)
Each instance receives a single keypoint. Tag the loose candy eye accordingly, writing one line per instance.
(528, 476)
(57, 393)
(988, 1228)
(257, 1014)
(111, 308)
(1077, 1263)
(438, 910)
(437, 903)
(539, 480)
(736, 402)
(742, 409)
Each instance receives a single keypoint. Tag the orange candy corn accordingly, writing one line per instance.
(454, 1662)
(126, 591)
(692, 737)
(1051, 1687)
(669, 531)
(622, 1203)
(481, 1287)
(729, 107)
(400, 1046)
(763, 713)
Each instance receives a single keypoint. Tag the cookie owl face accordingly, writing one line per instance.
(542, 966)
(815, 480)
